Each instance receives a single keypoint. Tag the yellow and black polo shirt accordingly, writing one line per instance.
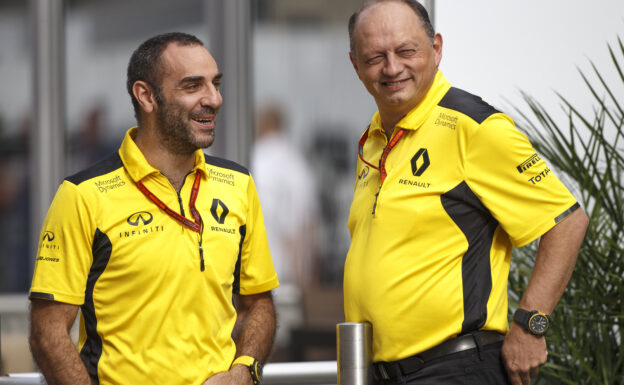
(150, 315)
(434, 216)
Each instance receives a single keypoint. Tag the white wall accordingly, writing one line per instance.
(496, 48)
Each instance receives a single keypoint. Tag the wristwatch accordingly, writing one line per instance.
(533, 321)
(255, 367)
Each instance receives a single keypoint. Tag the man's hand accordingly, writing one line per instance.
(523, 354)
(237, 375)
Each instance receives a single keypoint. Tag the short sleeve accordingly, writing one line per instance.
(64, 254)
(257, 273)
(513, 182)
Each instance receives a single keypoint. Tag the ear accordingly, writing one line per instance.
(144, 95)
(437, 47)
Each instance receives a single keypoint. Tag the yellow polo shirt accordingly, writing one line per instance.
(431, 245)
(149, 314)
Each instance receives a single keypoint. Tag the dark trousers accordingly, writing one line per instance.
(469, 367)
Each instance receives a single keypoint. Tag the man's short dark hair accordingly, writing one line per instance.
(146, 63)
(420, 11)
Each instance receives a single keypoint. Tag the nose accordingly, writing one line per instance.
(393, 65)
(212, 98)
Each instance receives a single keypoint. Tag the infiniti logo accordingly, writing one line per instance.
(364, 173)
(48, 236)
(142, 216)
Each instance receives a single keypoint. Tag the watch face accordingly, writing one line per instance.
(538, 324)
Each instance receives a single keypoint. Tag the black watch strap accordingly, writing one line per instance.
(527, 318)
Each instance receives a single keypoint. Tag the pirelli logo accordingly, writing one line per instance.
(527, 164)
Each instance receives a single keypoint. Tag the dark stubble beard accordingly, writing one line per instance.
(175, 128)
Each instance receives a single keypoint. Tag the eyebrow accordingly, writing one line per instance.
(192, 79)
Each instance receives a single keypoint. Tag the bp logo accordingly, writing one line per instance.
(48, 236)
(420, 162)
(219, 211)
(141, 217)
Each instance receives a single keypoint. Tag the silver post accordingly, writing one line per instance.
(355, 348)
(47, 136)
(229, 23)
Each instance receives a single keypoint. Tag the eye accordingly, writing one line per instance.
(407, 52)
(192, 87)
(217, 84)
(374, 60)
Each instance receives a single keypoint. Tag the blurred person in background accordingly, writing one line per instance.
(287, 190)
(445, 186)
(89, 144)
(161, 247)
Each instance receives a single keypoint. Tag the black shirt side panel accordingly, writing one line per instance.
(478, 225)
(236, 285)
(92, 349)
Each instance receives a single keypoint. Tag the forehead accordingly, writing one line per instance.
(190, 60)
(384, 23)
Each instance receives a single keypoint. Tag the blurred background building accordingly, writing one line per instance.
(291, 55)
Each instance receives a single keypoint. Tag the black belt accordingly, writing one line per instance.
(394, 369)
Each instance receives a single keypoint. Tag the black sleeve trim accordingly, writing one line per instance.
(39, 295)
(569, 211)
(468, 104)
(225, 163)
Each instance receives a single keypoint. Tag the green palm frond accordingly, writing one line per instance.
(587, 152)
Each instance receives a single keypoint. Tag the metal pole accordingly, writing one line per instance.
(47, 135)
(230, 44)
(354, 353)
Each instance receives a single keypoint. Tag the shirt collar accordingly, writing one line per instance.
(137, 166)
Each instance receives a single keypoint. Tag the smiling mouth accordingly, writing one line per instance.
(394, 84)
(204, 121)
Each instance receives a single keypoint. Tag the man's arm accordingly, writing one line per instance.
(51, 346)
(253, 333)
(523, 352)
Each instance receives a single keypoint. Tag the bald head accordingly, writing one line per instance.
(418, 9)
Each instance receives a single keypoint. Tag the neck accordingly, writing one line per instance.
(388, 123)
(172, 165)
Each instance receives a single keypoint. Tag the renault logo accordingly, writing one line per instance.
(214, 210)
(420, 162)
(48, 236)
(143, 217)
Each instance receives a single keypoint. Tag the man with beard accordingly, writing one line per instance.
(446, 186)
(155, 243)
